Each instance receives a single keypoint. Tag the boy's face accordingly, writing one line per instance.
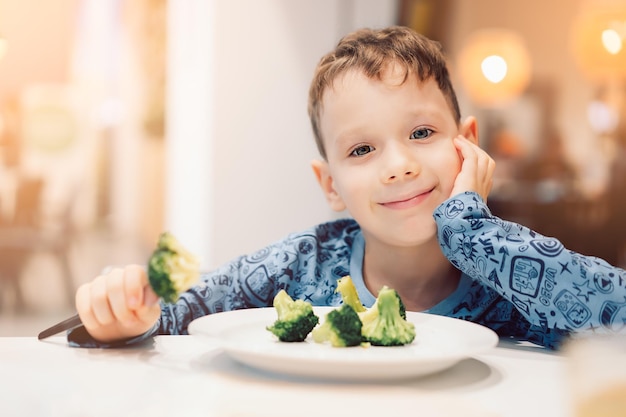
(390, 154)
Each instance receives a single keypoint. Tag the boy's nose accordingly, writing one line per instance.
(400, 163)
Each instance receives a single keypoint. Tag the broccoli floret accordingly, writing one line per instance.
(172, 269)
(349, 295)
(372, 312)
(295, 320)
(383, 324)
(342, 328)
(402, 307)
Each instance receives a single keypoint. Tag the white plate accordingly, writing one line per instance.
(440, 343)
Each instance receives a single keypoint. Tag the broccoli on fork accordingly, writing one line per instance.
(295, 319)
(383, 324)
(341, 328)
(172, 269)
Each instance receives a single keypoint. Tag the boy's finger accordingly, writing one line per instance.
(472, 150)
(100, 301)
(468, 155)
(476, 169)
(150, 297)
(117, 296)
(83, 306)
(149, 313)
(133, 286)
(465, 147)
(138, 290)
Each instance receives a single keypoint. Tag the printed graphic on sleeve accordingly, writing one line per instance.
(603, 283)
(613, 315)
(447, 233)
(259, 255)
(454, 208)
(257, 286)
(547, 246)
(526, 275)
(576, 312)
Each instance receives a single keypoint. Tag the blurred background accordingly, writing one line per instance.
(120, 119)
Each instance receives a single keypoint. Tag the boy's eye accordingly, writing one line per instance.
(361, 150)
(421, 133)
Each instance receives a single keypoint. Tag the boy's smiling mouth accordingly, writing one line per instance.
(407, 202)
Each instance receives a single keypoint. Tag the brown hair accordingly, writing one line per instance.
(371, 51)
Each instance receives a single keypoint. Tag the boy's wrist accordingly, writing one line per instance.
(462, 195)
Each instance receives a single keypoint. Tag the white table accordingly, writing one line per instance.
(187, 376)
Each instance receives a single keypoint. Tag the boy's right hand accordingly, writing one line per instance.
(118, 305)
(476, 169)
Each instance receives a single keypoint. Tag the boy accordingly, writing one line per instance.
(397, 157)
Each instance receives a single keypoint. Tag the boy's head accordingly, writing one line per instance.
(372, 52)
(385, 118)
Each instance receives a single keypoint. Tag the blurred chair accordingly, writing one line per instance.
(27, 234)
(592, 230)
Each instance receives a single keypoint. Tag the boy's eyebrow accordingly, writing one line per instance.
(348, 136)
(420, 115)
(435, 113)
(428, 109)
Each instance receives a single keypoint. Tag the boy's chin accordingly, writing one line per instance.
(408, 235)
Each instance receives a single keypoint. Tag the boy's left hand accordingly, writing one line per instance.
(476, 169)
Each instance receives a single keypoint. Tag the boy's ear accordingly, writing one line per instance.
(469, 129)
(326, 182)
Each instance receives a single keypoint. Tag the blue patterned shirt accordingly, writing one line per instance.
(515, 281)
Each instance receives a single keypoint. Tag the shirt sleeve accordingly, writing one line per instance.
(305, 264)
(552, 287)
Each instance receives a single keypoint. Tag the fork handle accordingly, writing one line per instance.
(64, 325)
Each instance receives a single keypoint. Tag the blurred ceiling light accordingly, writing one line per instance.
(612, 41)
(494, 66)
(598, 39)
